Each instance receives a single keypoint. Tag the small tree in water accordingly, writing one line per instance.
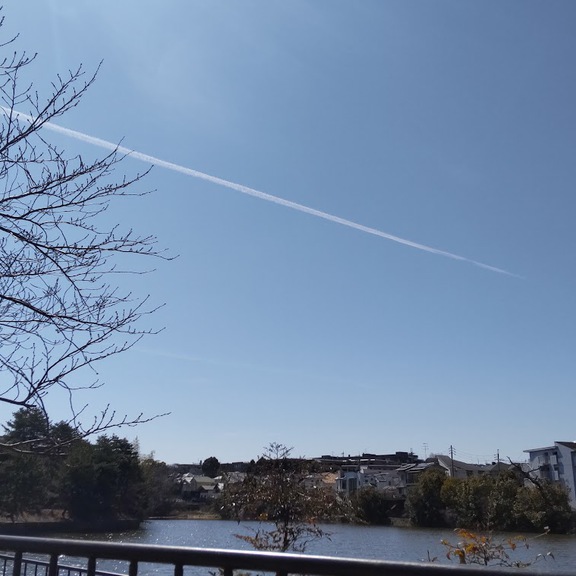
(280, 491)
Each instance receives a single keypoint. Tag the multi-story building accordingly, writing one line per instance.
(555, 463)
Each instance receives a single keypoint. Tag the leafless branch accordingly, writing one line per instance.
(60, 312)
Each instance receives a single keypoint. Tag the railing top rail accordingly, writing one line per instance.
(240, 559)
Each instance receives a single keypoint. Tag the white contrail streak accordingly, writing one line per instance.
(250, 191)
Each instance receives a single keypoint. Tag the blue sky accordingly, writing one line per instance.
(450, 124)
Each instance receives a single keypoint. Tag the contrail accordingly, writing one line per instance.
(249, 191)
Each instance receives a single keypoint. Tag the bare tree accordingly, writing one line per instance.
(281, 491)
(60, 310)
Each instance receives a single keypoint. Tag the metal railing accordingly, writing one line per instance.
(33, 567)
(227, 560)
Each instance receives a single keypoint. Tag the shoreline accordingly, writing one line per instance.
(44, 525)
(32, 528)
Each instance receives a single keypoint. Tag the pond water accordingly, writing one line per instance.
(373, 542)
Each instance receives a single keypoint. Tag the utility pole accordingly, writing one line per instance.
(451, 461)
(425, 450)
(498, 460)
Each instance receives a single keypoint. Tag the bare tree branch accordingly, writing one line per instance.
(60, 312)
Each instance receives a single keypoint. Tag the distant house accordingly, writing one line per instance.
(462, 470)
(196, 486)
(233, 477)
(347, 481)
(555, 463)
(354, 478)
(325, 480)
(409, 473)
(388, 482)
(395, 481)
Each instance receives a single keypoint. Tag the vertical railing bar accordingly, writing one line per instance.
(133, 568)
(17, 564)
(53, 566)
(178, 570)
(228, 571)
(91, 569)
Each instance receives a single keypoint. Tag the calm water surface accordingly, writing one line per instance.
(374, 542)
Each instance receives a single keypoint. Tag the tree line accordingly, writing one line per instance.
(510, 501)
(57, 470)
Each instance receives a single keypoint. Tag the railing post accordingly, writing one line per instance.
(133, 568)
(91, 568)
(178, 570)
(17, 565)
(53, 566)
(228, 571)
